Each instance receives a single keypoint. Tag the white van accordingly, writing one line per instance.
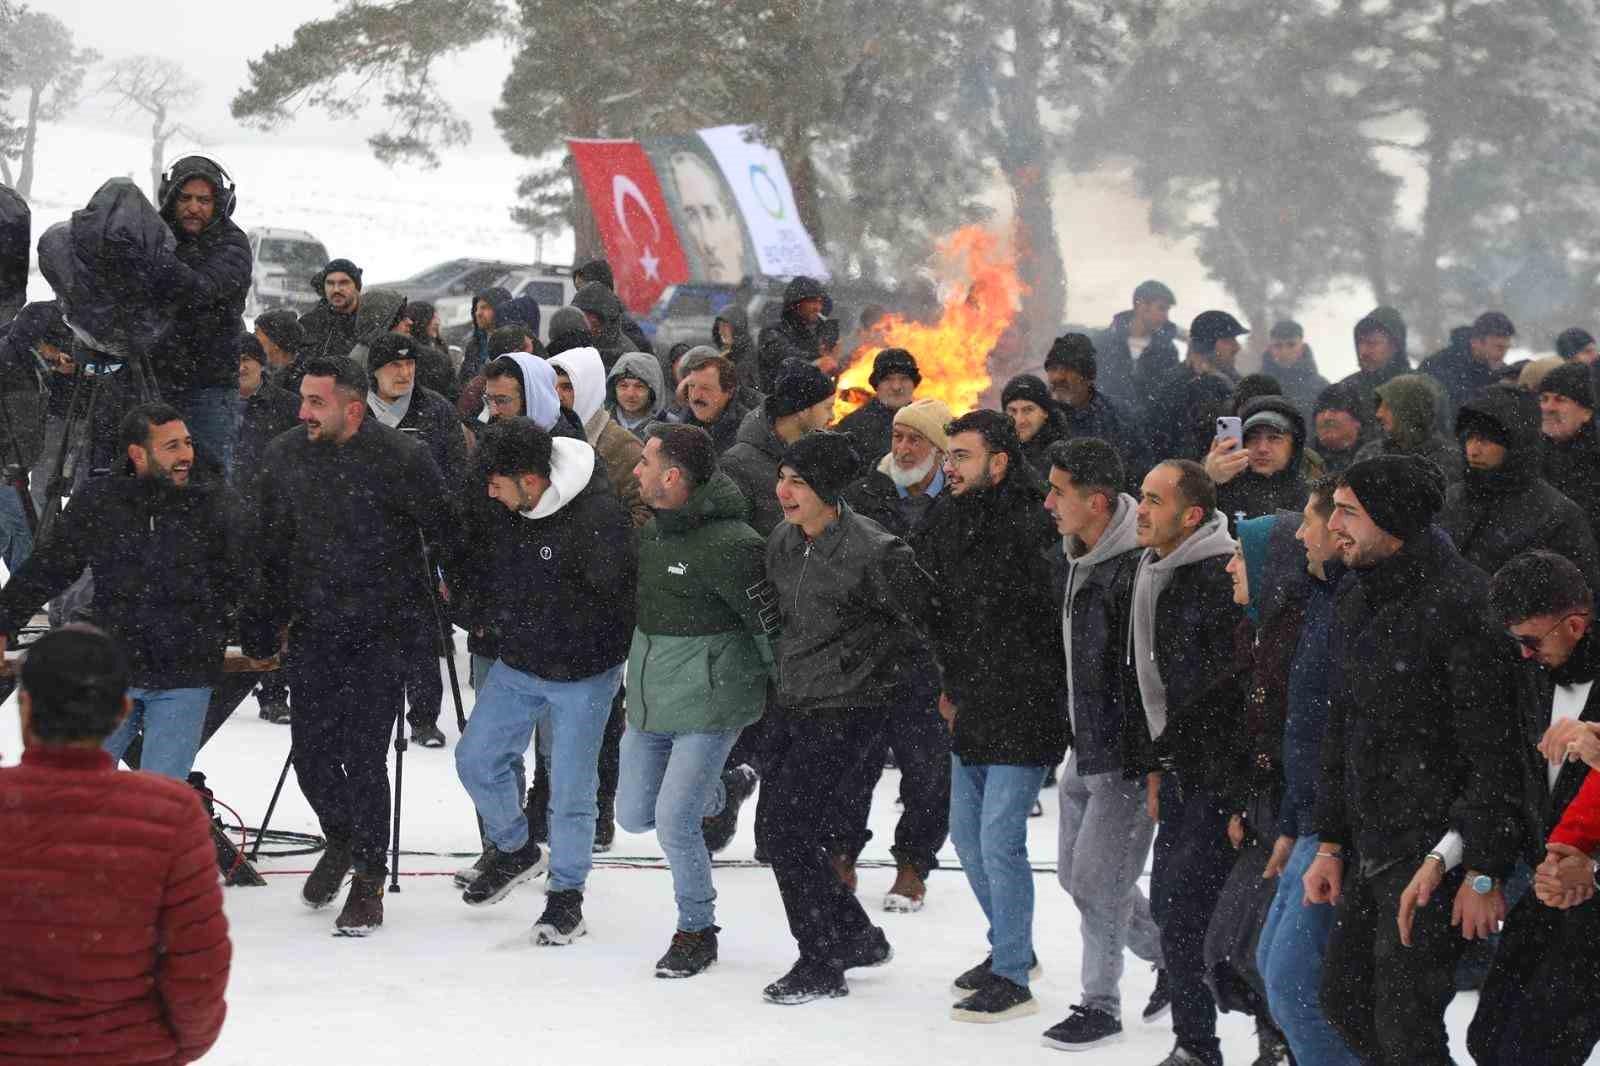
(286, 260)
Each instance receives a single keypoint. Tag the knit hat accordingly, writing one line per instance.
(283, 329)
(341, 266)
(1572, 341)
(1344, 397)
(928, 417)
(894, 361)
(796, 386)
(1574, 381)
(1530, 373)
(828, 461)
(1072, 351)
(1252, 534)
(1402, 493)
(387, 349)
(250, 348)
(1026, 387)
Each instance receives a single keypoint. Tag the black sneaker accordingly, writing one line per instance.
(806, 981)
(1160, 999)
(322, 887)
(605, 825)
(690, 953)
(738, 784)
(1082, 1029)
(1272, 1047)
(562, 920)
(999, 1000)
(275, 711)
(1182, 1056)
(871, 950)
(428, 736)
(468, 874)
(506, 871)
(974, 978)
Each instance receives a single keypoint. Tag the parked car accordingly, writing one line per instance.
(550, 286)
(286, 260)
(685, 312)
(453, 277)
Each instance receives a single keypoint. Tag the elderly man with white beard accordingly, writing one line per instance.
(898, 493)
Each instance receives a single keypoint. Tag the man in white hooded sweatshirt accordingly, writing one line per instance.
(1181, 643)
(581, 384)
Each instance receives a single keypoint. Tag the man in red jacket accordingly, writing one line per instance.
(128, 964)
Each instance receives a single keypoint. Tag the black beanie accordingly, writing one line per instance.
(1344, 397)
(250, 348)
(828, 461)
(1572, 341)
(1402, 493)
(388, 348)
(343, 266)
(1575, 381)
(796, 386)
(894, 361)
(1026, 387)
(283, 329)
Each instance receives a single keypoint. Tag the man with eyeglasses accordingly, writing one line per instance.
(1534, 1003)
(1418, 743)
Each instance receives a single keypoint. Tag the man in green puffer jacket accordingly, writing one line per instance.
(697, 671)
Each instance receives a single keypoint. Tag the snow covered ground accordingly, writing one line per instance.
(444, 983)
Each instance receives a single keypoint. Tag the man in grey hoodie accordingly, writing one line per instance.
(634, 393)
(1181, 642)
(1105, 833)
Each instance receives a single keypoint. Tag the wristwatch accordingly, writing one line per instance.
(1483, 884)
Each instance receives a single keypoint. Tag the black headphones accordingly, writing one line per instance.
(227, 192)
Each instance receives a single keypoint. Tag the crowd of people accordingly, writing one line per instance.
(1326, 651)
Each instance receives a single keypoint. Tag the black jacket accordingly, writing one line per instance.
(1573, 469)
(753, 464)
(871, 426)
(1460, 375)
(1037, 449)
(166, 572)
(1494, 515)
(600, 270)
(1254, 494)
(852, 606)
(1542, 805)
(876, 497)
(1182, 417)
(1117, 373)
(789, 337)
(559, 590)
(1301, 383)
(207, 279)
(328, 333)
(743, 352)
(342, 522)
(475, 352)
(269, 412)
(595, 299)
(432, 419)
(1113, 422)
(997, 633)
(1420, 735)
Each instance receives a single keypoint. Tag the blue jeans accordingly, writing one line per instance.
(209, 416)
(1289, 958)
(16, 539)
(171, 720)
(989, 808)
(669, 782)
(510, 704)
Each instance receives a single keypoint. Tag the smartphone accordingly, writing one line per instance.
(1229, 426)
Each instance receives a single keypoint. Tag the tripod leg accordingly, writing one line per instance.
(399, 769)
(272, 805)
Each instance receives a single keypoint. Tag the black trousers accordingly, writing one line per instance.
(805, 759)
(424, 686)
(1538, 1003)
(348, 696)
(1385, 999)
(916, 734)
(1192, 860)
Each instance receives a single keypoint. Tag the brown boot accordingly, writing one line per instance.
(363, 907)
(906, 896)
(845, 870)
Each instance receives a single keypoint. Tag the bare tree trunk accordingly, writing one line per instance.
(1026, 168)
(804, 179)
(30, 138)
(585, 234)
(1435, 213)
(158, 146)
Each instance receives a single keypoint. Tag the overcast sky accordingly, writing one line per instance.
(215, 40)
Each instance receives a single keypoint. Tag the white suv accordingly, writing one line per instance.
(286, 260)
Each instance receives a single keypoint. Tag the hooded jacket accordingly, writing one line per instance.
(753, 464)
(996, 635)
(327, 332)
(600, 270)
(557, 583)
(1390, 321)
(1457, 372)
(380, 311)
(1413, 400)
(1573, 469)
(540, 401)
(595, 299)
(1134, 382)
(790, 337)
(618, 449)
(743, 351)
(851, 606)
(1093, 591)
(166, 570)
(206, 279)
(701, 652)
(1493, 516)
(1253, 494)
(1418, 729)
(647, 369)
(475, 353)
(1181, 643)
(1300, 382)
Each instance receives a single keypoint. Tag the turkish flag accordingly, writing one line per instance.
(632, 217)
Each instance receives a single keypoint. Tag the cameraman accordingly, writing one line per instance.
(206, 280)
(162, 547)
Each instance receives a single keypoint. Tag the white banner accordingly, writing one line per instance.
(761, 186)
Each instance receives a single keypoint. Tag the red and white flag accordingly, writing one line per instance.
(632, 217)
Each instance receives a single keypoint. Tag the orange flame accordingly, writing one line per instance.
(953, 353)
